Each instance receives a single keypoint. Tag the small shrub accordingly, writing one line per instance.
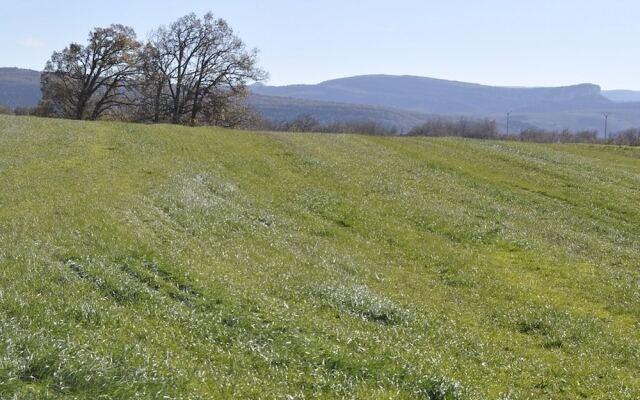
(24, 111)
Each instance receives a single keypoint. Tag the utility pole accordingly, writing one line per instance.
(606, 125)
(508, 121)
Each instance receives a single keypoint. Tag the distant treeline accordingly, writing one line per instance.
(488, 129)
(443, 127)
(17, 111)
(440, 127)
(306, 123)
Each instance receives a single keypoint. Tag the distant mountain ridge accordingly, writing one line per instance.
(19, 87)
(431, 95)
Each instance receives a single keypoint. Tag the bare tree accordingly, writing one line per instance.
(84, 82)
(227, 109)
(150, 87)
(203, 63)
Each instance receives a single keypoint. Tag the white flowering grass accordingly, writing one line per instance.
(361, 302)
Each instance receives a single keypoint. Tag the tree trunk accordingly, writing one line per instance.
(156, 104)
(176, 107)
(80, 108)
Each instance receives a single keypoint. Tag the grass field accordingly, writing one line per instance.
(178, 263)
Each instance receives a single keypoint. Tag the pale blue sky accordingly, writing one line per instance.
(530, 43)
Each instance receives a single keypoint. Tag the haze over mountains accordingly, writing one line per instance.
(440, 96)
(19, 87)
(574, 107)
(407, 101)
(624, 96)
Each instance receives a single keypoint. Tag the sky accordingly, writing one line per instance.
(496, 42)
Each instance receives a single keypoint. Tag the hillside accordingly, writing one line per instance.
(161, 261)
(19, 87)
(279, 109)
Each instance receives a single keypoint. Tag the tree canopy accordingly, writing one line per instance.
(193, 71)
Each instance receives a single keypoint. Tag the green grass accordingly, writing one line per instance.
(177, 263)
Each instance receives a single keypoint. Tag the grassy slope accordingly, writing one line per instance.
(199, 263)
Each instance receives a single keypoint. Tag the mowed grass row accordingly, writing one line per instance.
(168, 262)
